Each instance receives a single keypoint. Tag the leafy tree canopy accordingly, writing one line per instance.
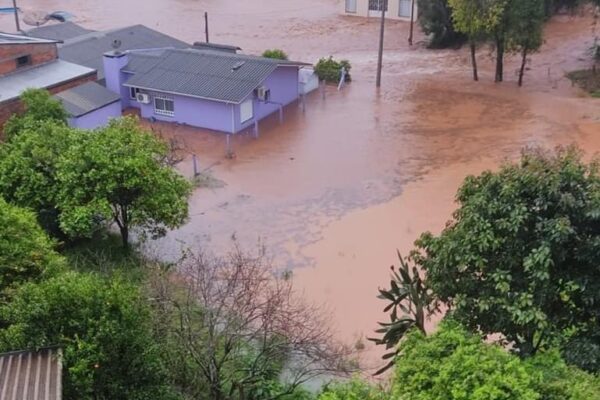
(520, 254)
(26, 253)
(40, 107)
(120, 174)
(355, 389)
(104, 329)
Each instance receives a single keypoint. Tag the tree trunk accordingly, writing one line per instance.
(474, 61)
(499, 58)
(522, 70)
(124, 228)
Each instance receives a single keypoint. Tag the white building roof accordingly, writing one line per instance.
(40, 77)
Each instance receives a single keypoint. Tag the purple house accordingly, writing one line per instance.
(211, 89)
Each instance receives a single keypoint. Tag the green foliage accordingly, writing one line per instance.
(119, 174)
(520, 255)
(476, 19)
(276, 54)
(40, 107)
(588, 80)
(453, 365)
(104, 329)
(355, 389)
(329, 70)
(435, 17)
(28, 165)
(26, 253)
(410, 302)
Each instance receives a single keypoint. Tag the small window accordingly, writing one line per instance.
(246, 110)
(164, 106)
(405, 8)
(351, 6)
(133, 91)
(377, 5)
(23, 61)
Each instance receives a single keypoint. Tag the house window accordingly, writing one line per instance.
(164, 106)
(246, 110)
(23, 61)
(377, 5)
(351, 6)
(405, 8)
(133, 91)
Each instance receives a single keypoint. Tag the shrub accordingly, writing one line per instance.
(276, 54)
(328, 69)
(435, 17)
(355, 389)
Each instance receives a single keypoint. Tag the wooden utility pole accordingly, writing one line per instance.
(412, 22)
(206, 25)
(380, 56)
(16, 15)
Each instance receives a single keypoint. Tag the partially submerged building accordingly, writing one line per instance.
(31, 375)
(27, 62)
(396, 9)
(90, 105)
(216, 90)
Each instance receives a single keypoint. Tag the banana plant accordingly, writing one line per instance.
(410, 303)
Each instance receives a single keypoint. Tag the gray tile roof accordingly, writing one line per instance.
(40, 77)
(215, 46)
(206, 74)
(31, 375)
(10, 38)
(60, 31)
(88, 49)
(86, 98)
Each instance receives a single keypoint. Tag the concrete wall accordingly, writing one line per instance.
(40, 53)
(97, 118)
(362, 10)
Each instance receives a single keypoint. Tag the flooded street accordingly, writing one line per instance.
(335, 189)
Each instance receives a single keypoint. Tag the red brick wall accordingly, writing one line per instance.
(40, 53)
(15, 106)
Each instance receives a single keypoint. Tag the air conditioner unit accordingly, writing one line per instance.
(143, 98)
(263, 93)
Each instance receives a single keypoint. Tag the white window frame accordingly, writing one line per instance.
(246, 116)
(400, 8)
(159, 111)
(349, 9)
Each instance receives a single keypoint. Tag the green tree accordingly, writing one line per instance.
(435, 18)
(26, 253)
(120, 175)
(276, 54)
(355, 389)
(104, 329)
(410, 303)
(477, 20)
(28, 165)
(526, 29)
(452, 364)
(40, 107)
(520, 254)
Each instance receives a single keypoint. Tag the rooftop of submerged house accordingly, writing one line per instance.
(206, 74)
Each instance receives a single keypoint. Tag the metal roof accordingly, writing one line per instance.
(215, 46)
(31, 375)
(88, 49)
(61, 31)
(9, 38)
(86, 98)
(42, 76)
(214, 75)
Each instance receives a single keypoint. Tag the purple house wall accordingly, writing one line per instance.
(209, 114)
(96, 118)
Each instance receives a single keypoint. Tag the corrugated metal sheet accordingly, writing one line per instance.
(86, 98)
(10, 38)
(204, 74)
(60, 31)
(88, 49)
(26, 375)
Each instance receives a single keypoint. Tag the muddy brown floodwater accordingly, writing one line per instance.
(335, 190)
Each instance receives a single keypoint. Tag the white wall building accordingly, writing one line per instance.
(397, 9)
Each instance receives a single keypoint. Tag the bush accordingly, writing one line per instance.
(354, 389)
(435, 17)
(276, 54)
(328, 69)
(40, 106)
(104, 328)
(26, 253)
